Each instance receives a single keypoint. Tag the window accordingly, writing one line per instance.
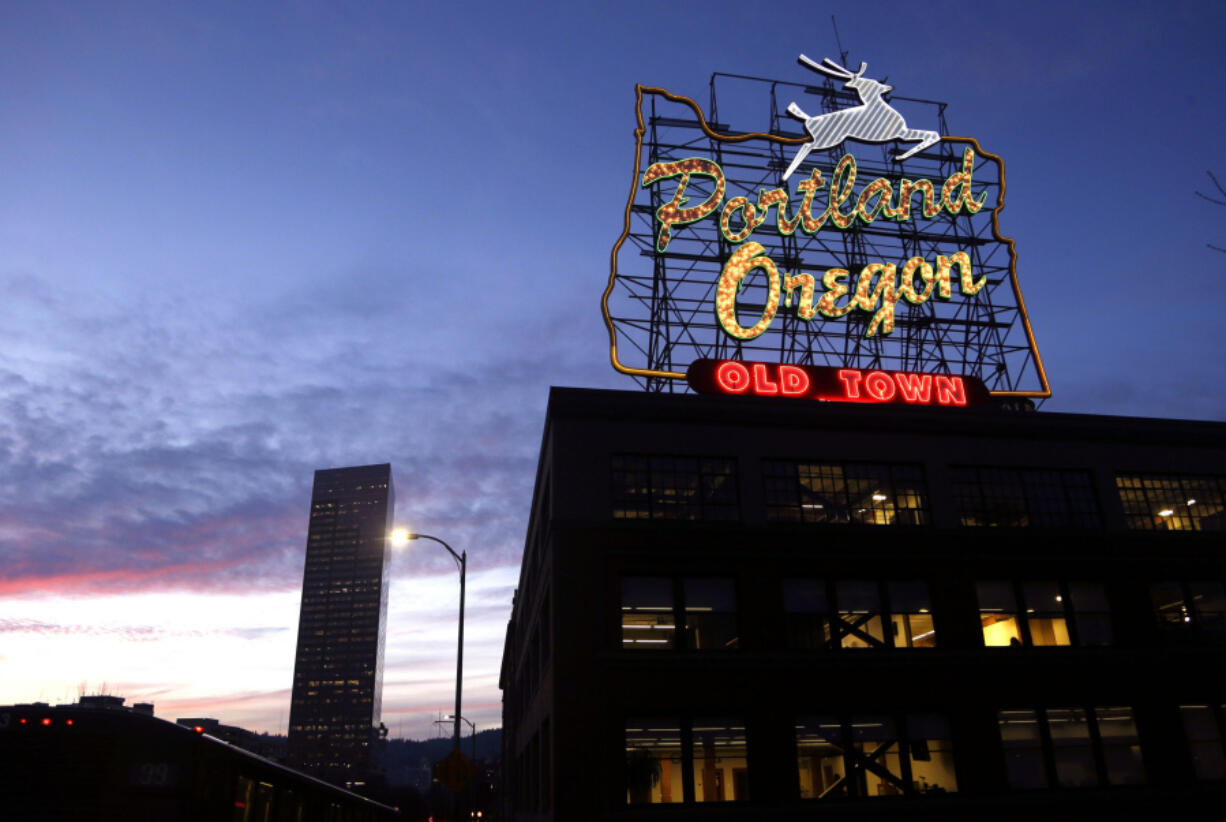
(720, 757)
(710, 614)
(1204, 741)
(856, 493)
(1070, 747)
(1190, 609)
(1172, 502)
(685, 488)
(851, 614)
(673, 760)
(1050, 613)
(649, 613)
(1019, 498)
(867, 756)
(653, 761)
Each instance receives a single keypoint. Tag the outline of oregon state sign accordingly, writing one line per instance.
(640, 130)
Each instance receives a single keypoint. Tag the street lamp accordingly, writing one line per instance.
(401, 536)
(473, 726)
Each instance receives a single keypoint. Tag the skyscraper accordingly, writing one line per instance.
(338, 667)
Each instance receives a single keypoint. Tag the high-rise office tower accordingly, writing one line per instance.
(338, 668)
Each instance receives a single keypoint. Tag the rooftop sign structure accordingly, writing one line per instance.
(862, 244)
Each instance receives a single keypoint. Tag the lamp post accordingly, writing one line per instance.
(473, 727)
(400, 536)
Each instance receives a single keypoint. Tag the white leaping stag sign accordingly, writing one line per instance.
(873, 121)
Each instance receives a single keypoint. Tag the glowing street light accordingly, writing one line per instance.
(400, 537)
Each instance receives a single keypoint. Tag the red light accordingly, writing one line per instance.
(198, 729)
(46, 721)
(22, 720)
(239, 804)
(67, 721)
(732, 377)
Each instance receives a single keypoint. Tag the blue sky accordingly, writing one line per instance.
(239, 242)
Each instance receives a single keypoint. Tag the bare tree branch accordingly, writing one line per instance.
(1216, 184)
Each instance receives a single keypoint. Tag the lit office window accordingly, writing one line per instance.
(1020, 498)
(998, 614)
(721, 764)
(707, 606)
(710, 614)
(866, 756)
(858, 623)
(1173, 502)
(1204, 741)
(845, 493)
(653, 762)
(929, 750)
(911, 615)
(647, 614)
(1045, 613)
(875, 766)
(681, 488)
(853, 615)
(820, 758)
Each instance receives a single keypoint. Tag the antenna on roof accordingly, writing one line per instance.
(837, 41)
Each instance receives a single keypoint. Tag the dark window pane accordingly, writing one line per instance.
(710, 614)
(1121, 748)
(1204, 741)
(807, 613)
(859, 493)
(682, 488)
(1022, 741)
(1070, 738)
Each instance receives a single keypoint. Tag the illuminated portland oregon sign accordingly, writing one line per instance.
(779, 251)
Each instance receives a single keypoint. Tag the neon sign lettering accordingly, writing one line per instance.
(878, 286)
(832, 384)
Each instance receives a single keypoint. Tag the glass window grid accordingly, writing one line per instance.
(1081, 607)
(854, 618)
(872, 755)
(704, 608)
(677, 488)
(845, 493)
(1070, 747)
(1023, 497)
(1172, 502)
(686, 741)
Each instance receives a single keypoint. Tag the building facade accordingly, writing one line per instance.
(338, 668)
(746, 608)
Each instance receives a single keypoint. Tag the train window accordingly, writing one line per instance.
(243, 789)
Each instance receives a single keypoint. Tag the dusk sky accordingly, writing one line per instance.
(243, 241)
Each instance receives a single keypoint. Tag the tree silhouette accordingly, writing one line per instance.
(1215, 201)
